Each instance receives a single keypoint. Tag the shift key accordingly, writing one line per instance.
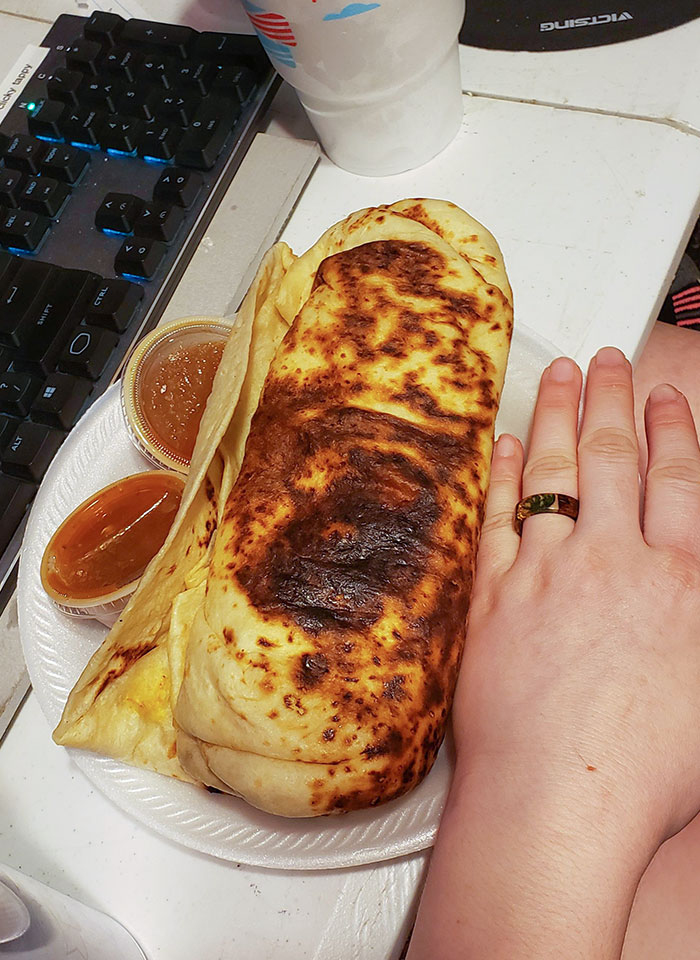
(25, 287)
(52, 316)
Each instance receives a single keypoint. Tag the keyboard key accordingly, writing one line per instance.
(202, 144)
(104, 27)
(24, 153)
(44, 195)
(173, 106)
(179, 186)
(27, 284)
(23, 230)
(82, 126)
(132, 102)
(60, 400)
(118, 212)
(83, 56)
(103, 94)
(196, 76)
(139, 258)
(121, 133)
(114, 304)
(15, 496)
(159, 141)
(122, 63)
(6, 358)
(31, 450)
(11, 183)
(52, 317)
(8, 428)
(63, 85)
(158, 70)
(9, 265)
(65, 163)
(44, 121)
(167, 37)
(224, 48)
(88, 351)
(235, 80)
(159, 221)
(17, 391)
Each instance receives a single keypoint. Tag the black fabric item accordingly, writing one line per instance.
(541, 25)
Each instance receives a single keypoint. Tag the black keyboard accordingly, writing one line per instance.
(112, 163)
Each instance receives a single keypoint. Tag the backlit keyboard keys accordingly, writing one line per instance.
(121, 62)
(159, 141)
(102, 93)
(81, 126)
(178, 186)
(104, 27)
(159, 222)
(114, 304)
(170, 38)
(60, 400)
(83, 56)
(65, 163)
(44, 195)
(15, 496)
(121, 133)
(8, 428)
(17, 297)
(139, 258)
(31, 450)
(44, 122)
(118, 212)
(11, 182)
(24, 153)
(17, 391)
(22, 230)
(88, 351)
(63, 85)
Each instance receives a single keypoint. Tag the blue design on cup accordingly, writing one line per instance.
(352, 10)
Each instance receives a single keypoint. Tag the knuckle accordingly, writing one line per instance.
(684, 570)
(549, 466)
(610, 443)
(679, 471)
(496, 521)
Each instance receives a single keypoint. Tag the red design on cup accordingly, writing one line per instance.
(274, 26)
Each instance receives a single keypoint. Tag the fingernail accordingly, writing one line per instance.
(610, 357)
(562, 370)
(506, 446)
(663, 393)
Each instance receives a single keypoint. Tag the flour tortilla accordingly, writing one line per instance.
(121, 704)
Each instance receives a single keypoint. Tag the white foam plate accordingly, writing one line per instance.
(56, 648)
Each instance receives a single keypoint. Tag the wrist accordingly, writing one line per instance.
(544, 867)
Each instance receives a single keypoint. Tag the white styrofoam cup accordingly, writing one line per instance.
(379, 81)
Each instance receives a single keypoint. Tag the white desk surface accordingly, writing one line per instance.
(592, 212)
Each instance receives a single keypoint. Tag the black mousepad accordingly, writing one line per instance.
(569, 24)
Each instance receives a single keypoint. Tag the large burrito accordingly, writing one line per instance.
(303, 651)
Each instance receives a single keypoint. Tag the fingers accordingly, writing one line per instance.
(672, 499)
(551, 464)
(499, 542)
(608, 454)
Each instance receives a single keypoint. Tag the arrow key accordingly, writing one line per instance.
(118, 212)
(159, 221)
(139, 258)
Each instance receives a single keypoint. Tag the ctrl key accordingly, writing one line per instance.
(15, 496)
(31, 450)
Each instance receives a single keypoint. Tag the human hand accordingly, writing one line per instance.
(577, 707)
(582, 659)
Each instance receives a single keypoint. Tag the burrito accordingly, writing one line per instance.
(305, 648)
